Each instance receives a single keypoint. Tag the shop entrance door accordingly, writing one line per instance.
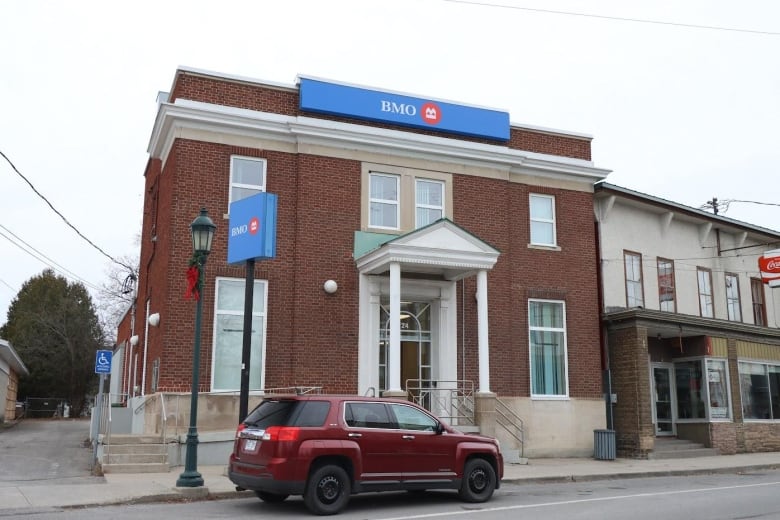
(663, 399)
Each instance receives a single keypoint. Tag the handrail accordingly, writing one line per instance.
(511, 422)
(164, 416)
(451, 400)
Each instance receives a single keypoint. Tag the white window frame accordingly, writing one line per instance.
(542, 220)
(263, 315)
(733, 300)
(703, 295)
(259, 187)
(565, 395)
(635, 282)
(726, 385)
(418, 206)
(371, 200)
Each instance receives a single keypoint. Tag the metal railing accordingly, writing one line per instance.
(511, 422)
(452, 400)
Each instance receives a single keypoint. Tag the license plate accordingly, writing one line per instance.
(250, 445)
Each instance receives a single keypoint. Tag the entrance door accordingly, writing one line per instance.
(416, 367)
(664, 399)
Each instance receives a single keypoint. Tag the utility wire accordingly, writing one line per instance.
(48, 264)
(7, 285)
(617, 18)
(132, 270)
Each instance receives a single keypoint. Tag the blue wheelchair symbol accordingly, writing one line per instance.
(103, 362)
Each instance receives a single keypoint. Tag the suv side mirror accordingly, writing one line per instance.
(439, 428)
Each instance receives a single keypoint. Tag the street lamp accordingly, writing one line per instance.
(202, 234)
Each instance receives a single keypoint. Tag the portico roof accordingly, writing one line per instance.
(440, 249)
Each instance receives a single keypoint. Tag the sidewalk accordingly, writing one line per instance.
(156, 487)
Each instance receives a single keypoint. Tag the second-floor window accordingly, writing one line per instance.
(757, 293)
(429, 205)
(384, 206)
(634, 293)
(705, 292)
(666, 294)
(732, 298)
(542, 220)
(247, 177)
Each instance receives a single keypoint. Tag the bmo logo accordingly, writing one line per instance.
(430, 113)
(254, 226)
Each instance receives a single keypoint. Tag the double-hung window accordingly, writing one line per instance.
(384, 203)
(733, 308)
(634, 291)
(666, 294)
(705, 292)
(547, 343)
(229, 335)
(542, 209)
(247, 177)
(429, 206)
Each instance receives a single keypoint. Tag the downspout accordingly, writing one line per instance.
(146, 347)
(606, 374)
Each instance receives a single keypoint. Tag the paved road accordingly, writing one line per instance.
(46, 452)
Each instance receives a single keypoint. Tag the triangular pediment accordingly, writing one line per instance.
(442, 249)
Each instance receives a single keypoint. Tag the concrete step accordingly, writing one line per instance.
(136, 468)
(123, 438)
(136, 458)
(122, 449)
(674, 448)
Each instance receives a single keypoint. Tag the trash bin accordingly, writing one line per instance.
(604, 444)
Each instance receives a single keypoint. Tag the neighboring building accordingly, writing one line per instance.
(461, 246)
(692, 333)
(11, 368)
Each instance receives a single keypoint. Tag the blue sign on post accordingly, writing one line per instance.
(103, 361)
(252, 232)
(375, 105)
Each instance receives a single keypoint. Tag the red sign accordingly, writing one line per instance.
(769, 265)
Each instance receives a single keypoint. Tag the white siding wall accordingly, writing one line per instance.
(686, 242)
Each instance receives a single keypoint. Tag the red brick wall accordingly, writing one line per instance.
(497, 212)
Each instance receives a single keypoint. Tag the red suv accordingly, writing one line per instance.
(327, 448)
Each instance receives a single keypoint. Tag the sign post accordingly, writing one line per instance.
(252, 236)
(102, 367)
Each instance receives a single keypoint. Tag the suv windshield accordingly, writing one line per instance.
(288, 413)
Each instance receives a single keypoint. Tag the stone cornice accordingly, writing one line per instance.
(173, 118)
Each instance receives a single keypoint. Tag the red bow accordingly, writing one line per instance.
(193, 288)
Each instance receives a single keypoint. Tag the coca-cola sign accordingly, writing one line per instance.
(769, 265)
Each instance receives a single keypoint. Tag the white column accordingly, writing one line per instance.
(482, 331)
(394, 384)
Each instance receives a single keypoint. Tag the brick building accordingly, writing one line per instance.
(692, 332)
(462, 249)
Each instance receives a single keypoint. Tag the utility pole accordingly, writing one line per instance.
(712, 204)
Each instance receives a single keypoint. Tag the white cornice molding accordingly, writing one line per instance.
(185, 114)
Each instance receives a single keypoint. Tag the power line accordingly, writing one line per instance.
(48, 264)
(618, 18)
(7, 285)
(132, 270)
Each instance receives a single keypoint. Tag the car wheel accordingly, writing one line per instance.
(327, 490)
(271, 498)
(479, 481)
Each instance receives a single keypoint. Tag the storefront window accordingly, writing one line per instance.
(760, 386)
(690, 401)
(717, 384)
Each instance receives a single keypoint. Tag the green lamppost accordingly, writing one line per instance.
(202, 234)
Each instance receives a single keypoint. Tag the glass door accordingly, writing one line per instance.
(663, 398)
(416, 369)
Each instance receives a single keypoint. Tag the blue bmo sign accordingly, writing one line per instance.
(252, 232)
(374, 105)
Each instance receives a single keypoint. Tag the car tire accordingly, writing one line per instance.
(479, 481)
(327, 490)
(271, 498)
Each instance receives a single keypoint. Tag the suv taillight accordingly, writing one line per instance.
(241, 427)
(281, 433)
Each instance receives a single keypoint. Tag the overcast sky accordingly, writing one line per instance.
(675, 110)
